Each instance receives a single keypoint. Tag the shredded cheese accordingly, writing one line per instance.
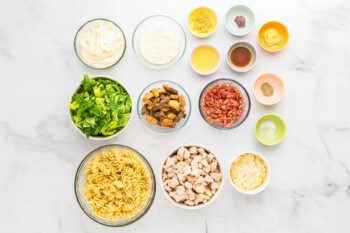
(248, 171)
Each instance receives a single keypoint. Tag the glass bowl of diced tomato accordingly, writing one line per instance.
(224, 104)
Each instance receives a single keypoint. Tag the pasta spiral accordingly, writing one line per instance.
(116, 184)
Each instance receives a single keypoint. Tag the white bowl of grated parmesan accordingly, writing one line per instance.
(249, 172)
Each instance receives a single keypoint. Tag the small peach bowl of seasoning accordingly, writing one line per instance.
(239, 20)
(268, 89)
(242, 57)
(273, 36)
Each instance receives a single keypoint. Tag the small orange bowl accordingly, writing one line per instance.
(283, 32)
(277, 86)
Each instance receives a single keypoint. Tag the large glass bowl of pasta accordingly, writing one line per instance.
(115, 185)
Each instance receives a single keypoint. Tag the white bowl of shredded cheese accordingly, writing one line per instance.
(159, 42)
(249, 172)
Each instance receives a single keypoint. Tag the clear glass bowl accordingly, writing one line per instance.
(244, 94)
(154, 127)
(80, 180)
(151, 23)
(83, 29)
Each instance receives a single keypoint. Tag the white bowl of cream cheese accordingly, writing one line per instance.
(100, 43)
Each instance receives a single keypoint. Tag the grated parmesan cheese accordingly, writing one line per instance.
(159, 46)
(248, 171)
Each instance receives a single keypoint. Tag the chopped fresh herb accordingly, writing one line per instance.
(101, 107)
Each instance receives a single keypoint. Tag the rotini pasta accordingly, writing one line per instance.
(116, 184)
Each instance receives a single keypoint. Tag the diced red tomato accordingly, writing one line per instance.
(223, 104)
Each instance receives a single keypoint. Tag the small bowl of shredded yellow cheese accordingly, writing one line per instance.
(249, 172)
(202, 22)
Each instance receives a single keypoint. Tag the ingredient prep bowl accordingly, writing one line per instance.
(150, 123)
(205, 59)
(121, 113)
(270, 129)
(273, 36)
(249, 173)
(202, 22)
(99, 59)
(236, 11)
(160, 54)
(246, 60)
(82, 178)
(191, 176)
(268, 89)
(239, 110)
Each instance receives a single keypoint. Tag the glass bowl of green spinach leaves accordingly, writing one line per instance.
(100, 108)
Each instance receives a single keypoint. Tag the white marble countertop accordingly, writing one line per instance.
(40, 150)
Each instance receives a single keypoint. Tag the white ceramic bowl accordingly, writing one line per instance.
(96, 138)
(239, 10)
(253, 60)
(213, 70)
(261, 187)
(172, 152)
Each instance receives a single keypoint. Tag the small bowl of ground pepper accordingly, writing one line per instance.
(268, 89)
(224, 104)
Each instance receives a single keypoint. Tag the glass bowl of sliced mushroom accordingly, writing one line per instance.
(191, 176)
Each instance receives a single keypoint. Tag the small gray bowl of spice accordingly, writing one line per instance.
(239, 20)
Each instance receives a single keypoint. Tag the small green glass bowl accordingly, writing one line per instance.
(281, 129)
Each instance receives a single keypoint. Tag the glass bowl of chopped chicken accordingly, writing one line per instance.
(224, 104)
(164, 107)
(159, 42)
(115, 185)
